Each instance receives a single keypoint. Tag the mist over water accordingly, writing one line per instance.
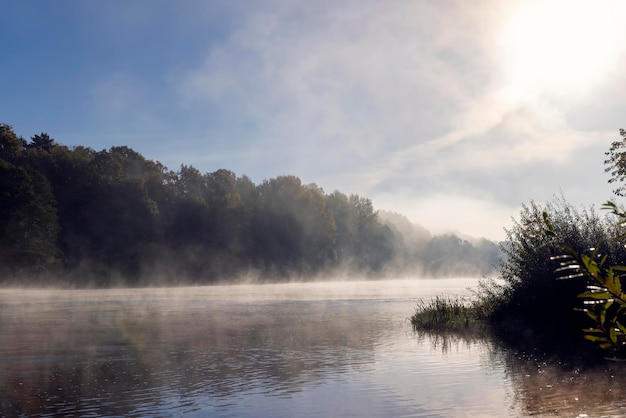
(296, 349)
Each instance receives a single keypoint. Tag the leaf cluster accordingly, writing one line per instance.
(532, 303)
(604, 299)
(616, 163)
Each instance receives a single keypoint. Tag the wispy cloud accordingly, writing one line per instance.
(346, 82)
(416, 104)
(389, 99)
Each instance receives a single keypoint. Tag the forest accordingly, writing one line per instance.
(80, 217)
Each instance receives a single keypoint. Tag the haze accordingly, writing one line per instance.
(453, 113)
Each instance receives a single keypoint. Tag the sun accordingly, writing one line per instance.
(562, 46)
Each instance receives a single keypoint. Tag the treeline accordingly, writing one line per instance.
(114, 217)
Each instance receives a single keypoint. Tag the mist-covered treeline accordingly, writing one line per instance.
(114, 217)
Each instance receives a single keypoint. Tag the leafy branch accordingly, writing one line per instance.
(604, 300)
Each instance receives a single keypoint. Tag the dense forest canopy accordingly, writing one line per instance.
(114, 217)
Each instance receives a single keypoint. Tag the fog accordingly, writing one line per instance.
(338, 288)
(316, 349)
(107, 218)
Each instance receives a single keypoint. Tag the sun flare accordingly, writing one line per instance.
(562, 46)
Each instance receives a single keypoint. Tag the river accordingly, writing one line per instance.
(317, 349)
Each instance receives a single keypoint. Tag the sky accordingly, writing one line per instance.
(453, 113)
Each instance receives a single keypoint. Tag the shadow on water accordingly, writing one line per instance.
(539, 384)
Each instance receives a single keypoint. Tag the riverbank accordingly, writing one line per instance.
(469, 318)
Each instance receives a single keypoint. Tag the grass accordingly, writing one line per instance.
(448, 313)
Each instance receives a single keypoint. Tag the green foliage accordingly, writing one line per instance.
(532, 304)
(41, 142)
(559, 262)
(11, 147)
(616, 162)
(415, 249)
(113, 216)
(28, 220)
(449, 255)
(292, 228)
(604, 300)
(446, 313)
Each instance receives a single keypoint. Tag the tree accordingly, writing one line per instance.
(617, 163)
(111, 212)
(446, 255)
(363, 242)
(190, 183)
(41, 142)
(373, 239)
(226, 209)
(291, 229)
(28, 220)
(10, 145)
(535, 301)
(344, 217)
(605, 300)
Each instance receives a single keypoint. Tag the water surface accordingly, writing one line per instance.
(299, 349)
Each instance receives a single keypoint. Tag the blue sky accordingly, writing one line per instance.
(450, 112)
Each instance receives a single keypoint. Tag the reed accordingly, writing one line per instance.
(446, 313)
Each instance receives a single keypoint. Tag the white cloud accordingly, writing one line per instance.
(354, 80)
(386, 99)
(407, 102)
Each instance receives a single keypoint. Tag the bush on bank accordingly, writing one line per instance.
(529, 305)
(560, 284)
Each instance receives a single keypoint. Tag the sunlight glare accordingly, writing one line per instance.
(561, 46)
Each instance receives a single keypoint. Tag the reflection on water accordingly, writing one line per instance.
(554, 389)
(314, 349)
(540, 386)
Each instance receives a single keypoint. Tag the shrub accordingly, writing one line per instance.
(534, 302)
(604, 300)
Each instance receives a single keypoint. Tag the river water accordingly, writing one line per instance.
(301, 349)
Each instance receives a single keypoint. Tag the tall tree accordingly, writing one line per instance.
(41, 142)
(28, 220)
(11, 146)
(292, 228)
(617, 163)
